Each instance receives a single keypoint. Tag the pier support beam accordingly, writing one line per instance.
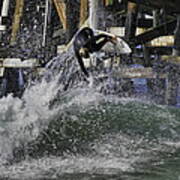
(83, 12)
(161, 30)
(72, 14)
(172, 83)
(131, 20)
(17, 18)
(171, 91)
(176, 50)
(4, 7)
(97, 14)
(61, 10)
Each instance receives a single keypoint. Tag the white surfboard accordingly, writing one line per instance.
(120, 45)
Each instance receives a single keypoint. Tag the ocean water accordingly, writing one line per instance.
(87, 135)
(72, 131)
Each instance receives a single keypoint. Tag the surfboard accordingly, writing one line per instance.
(120, 45)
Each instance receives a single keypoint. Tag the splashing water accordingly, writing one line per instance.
(81, 133)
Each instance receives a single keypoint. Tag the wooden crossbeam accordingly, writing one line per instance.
(171, 6)
(163, 41)
(171, 59)
(160, 30)
(126, 72)
(138, 73)
(120, 31)
(2, 28)
(61, 49)
(17, 18)
(141, 23)
(135, 73)
(61, 10)
(17, 63)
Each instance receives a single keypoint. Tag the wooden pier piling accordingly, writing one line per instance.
(16, 21)
(171, 91)
(61, 10)
(83, 11)
(176, 50)
(96, 14)
(131, 20)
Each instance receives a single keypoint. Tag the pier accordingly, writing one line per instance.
(32, 33)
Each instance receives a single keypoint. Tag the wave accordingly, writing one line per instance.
(79, 125)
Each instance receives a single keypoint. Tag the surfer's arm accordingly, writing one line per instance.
(102, 39)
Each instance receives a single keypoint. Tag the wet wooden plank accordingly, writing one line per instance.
(162, 41)
(120, 31)
(135, 73)
(171, 59)
(17, 63)
(2, 28)
(61, 49)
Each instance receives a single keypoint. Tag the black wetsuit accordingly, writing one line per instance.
(85, 39)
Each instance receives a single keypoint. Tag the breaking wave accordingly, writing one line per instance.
(80, 132)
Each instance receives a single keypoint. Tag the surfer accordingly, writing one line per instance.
(85, 42)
